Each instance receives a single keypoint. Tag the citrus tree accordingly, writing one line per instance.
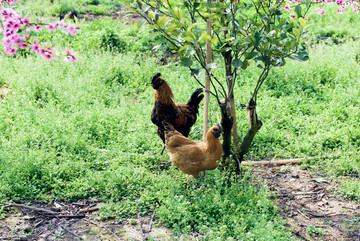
(243, 33)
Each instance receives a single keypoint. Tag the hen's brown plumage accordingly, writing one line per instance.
(181, 116)
(192, 157)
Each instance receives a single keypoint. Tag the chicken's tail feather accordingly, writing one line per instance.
(196, 98)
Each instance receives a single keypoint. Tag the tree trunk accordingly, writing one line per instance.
(207, 81)
(226, 124)
(233, 114)
(254, 126)
(230, 82)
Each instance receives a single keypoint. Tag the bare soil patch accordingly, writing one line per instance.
(120, 14)
(310, 204)
(307, 201)
(75, 221)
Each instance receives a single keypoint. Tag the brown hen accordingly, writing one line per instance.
(192, 157)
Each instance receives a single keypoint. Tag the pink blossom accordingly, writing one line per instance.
(24, 46)
(25, 20)
(339, 2)
(292, 16)
(35, 47)
(42, 51)
(341, 10)
(70, 57)
(287, 7)
(12, 51)
(47, 56)
(321, 11)
(70, 28)
(38, 28)
(7, 41)
(61, 24)
(355, 7)
(51, 27)
(14, 26)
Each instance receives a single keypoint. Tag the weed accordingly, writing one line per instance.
(314, 231)
(110, 41)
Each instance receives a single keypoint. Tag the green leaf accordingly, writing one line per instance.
(251, 55)
(206, 36)
(188, 39)
(178, 13)
(139, 24)
(298, 10)
(145, 8)
(161, 21)
(191, 27)
(303, 56)
(152, 14)
(153, 4)
(195, 72)
(156, 47)
(245, 64)
(257, 38)
(187, 62)
(265, 18)
(237, 63)
(183, 49)
(302, 22)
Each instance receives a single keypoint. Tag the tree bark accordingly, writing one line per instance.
(233, 114)
(230, 82)
(254, 126)
(226, 123)
(207, 81)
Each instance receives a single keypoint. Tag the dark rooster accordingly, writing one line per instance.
(181, 116)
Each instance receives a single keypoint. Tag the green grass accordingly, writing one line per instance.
(83, 130)
(37, 8)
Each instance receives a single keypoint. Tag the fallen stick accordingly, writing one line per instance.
(69, 216)
(88, 210)
(303, 215)
(271, 162)
(152, 217)
(304, 193)
(140, 225)
(18, 237)
(31, 208)
(45, 211)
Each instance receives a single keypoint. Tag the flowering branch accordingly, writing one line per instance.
(341, 3)
(13, 26)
